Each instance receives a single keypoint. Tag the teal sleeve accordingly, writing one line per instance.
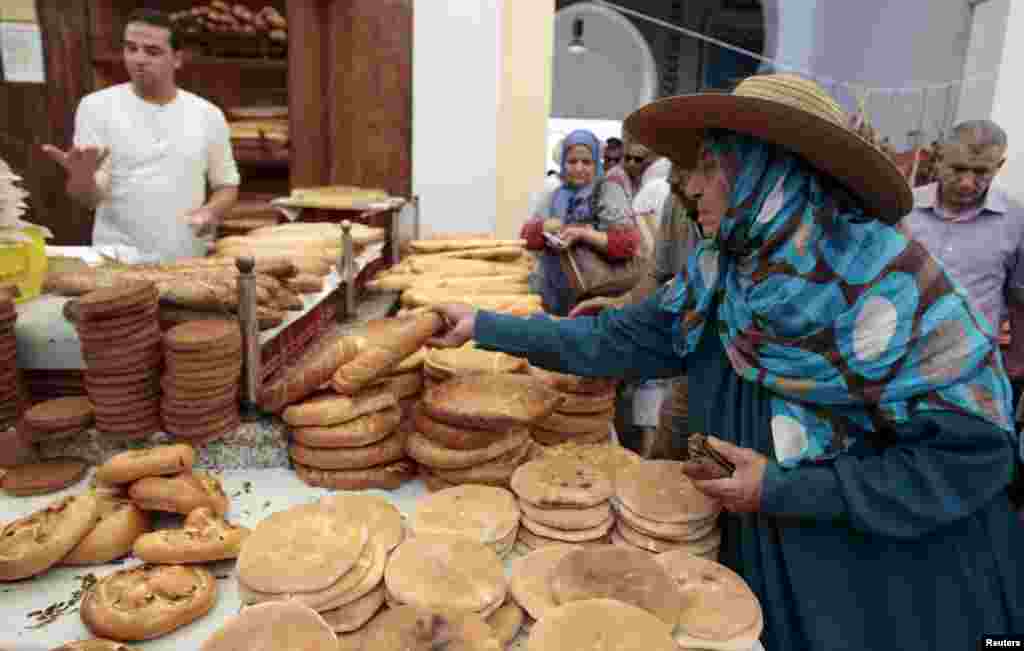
(634, 342)
(943, 467)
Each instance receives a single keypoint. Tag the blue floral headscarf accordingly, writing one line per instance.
(852, 326)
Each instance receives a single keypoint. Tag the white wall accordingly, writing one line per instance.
(455, 90)
(984, 54)
(1009, 98)
(897, 44)
(615, 76)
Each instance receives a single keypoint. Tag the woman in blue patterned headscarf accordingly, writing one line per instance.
(860, 399)
(569, 215)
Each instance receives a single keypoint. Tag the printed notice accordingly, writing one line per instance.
(1001, 642)
(21, 52)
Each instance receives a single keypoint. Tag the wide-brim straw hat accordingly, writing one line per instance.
(786, 110)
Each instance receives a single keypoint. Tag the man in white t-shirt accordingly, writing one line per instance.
(154, 160)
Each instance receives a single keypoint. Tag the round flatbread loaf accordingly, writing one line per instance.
(530, 578)
(203, 335)
(40, 477)
(354, 615)
(575, 404)
(36, 542)
(111, 302)
(274, 626)
(361, 431)
(551, 482)
(719, 610)
(567, 519)
(361, 579)
(388, 450)
(302, 549)
(699, 547)
(570, 535)
(497, 402)
(573, 383)
(428, 453)
(132, 465)
(381, 517)
(485, 514)
(205, 537)
(120, 524)
(446, 363)
(658, 490)
(630, 576)
(407, 628)
(387, 477)
(451, 437)
(674, 532)
(495, 472)
(435, 571)
(597, 423)
(182, 493)
(506, 622)
(600, 624)
(546, 438)
(531, 540)
(148, 601)
(93, 645)
(60, 414)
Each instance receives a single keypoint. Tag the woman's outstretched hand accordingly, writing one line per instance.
(459, 323)
(740, 493)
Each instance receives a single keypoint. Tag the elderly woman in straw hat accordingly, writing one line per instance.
(862, 402)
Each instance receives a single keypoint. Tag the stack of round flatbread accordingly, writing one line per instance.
(609, 457)
(563, 500)
(55, 419)
(486, 514)
(585, 414)
(658, 509)
(600, 624)
(443, 364)
(474, 429)
(448, 573)
(329, 556)
(13, 399)
(120, 337)
(274, 626)
(349, 442)
(200, 384)
(46, 476)
(720, 612)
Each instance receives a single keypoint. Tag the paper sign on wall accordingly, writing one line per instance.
(21, 52)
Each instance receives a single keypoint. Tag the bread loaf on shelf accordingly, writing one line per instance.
(382, 354)
(295, 383)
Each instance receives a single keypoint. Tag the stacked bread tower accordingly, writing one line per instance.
(201, 381)
(484, 514)
(121, 345)
(328, 556)
(470, 268)
(608, 457)
(586, 413)
(12, 395)
(350, 436)
(474, 429)
(658, 509)
(563, 501)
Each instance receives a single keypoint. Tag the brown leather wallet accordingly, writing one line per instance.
(702, 452)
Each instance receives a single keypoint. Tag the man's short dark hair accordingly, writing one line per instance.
(613, 142)
(982, 133)
(156, 19)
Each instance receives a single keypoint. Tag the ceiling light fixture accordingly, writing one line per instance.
(576, 45)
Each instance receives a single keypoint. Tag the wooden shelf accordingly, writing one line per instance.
(115, 58)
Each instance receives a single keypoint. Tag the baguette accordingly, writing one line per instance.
(496, 254)
(453, 267)
(305, 284)
(286, 299)
(431, 298)
(437, 246)
(295, 383)
(332, 409)
(383, 354)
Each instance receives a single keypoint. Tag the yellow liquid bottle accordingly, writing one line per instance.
(23, 264)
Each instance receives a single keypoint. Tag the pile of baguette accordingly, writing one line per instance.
(224, 18)
(247, 215)
(312, 247)
(200, 288)
(482, 271)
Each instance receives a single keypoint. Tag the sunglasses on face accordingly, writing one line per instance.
(612, 160)
(635, 159)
